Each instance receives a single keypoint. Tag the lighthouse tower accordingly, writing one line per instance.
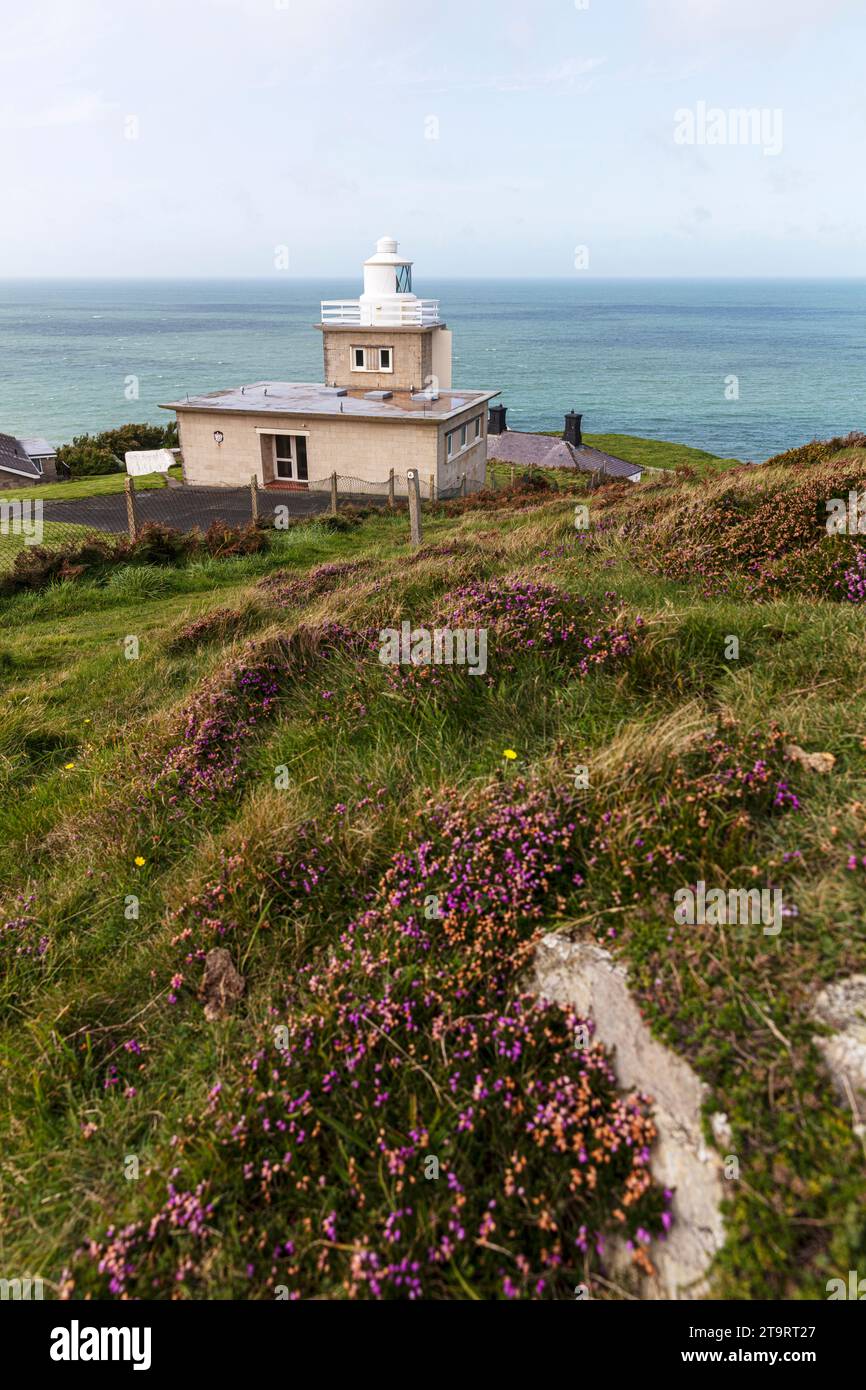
(388, 339)
(388, 296)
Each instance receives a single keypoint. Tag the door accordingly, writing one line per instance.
(290, 458)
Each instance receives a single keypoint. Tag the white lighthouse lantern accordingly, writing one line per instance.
(387, 300)
(387, 285)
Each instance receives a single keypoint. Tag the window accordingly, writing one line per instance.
(464, 435)
(404, 279)
(477, 424)
(290, 457)
(372, 359)
(449, 444)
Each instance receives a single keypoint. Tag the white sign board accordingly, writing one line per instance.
(149, 461)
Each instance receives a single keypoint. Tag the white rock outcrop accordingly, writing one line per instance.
(587, 978)
(842, 1007)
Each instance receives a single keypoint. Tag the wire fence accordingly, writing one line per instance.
(59, 522)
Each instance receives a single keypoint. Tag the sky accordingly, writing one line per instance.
(223, 138)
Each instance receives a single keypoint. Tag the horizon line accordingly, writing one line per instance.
(473, 279)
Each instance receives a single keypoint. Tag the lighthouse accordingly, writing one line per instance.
(388, 293)
(384, 409)
(388, 338)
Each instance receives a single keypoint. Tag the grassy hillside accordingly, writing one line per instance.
(658, 453)
(383, 1112)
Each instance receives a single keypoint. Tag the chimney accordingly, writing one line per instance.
(571, 434)
(496, 420)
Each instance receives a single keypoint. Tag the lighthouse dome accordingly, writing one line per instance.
(387, 275)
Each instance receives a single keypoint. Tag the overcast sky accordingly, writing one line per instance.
(492, 137)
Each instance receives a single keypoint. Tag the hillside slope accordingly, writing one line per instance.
(379, 1109)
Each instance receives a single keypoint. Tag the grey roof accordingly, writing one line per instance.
(308, 398)
(549, 451)
(38, 448)
(14, 459)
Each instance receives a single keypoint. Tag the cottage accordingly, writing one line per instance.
(24, 462)
(550, 451)
(386, 402)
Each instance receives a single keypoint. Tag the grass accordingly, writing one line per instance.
(98, 485)
(342, 770)
(54, 533)
(658, 453)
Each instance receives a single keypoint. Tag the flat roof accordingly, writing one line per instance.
(337, 326)
(307, 398)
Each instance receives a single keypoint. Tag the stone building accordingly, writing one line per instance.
(24, 462)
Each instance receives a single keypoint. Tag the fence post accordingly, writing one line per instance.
(254, 498)
(333, 494)
(512, 476)
(414, 506)
(463, 485)
(131, 518)
(391, 488)
(432, 487)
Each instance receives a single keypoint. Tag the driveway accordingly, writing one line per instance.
(186, 507)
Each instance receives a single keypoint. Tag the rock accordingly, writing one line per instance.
(815, 762)
(587, 978)
(722, 1132)
(221, 987)
(842, 1007)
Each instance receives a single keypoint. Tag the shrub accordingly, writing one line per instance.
(103, 453)
(219, 624)
(819, 450)
(36, 566)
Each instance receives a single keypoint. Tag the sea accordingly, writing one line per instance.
(741, 368)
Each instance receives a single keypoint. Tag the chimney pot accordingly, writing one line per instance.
(571, 434)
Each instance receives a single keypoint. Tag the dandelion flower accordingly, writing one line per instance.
(67, 767)
(139, 860)
(509, 753)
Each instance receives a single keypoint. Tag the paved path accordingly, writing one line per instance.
(184, 508)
